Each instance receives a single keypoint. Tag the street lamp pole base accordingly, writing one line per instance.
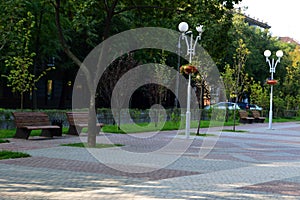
(270, 119)
(187, 124)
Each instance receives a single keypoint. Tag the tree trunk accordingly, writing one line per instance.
(92, 128)
(22, 101)
(62, 100)
(37, 57)
(200, 106)
(237, 95)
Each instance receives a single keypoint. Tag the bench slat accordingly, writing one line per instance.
(244, 117)
(257, 117)
(40, 127)
(27, 121)
(79, 120)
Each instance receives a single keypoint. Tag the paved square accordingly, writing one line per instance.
(256, 164)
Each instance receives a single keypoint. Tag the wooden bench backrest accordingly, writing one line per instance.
(31, 119)
(243, 114)
(78, 117)
(256, 114)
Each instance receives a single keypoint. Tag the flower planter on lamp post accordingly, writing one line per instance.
(188, 69)
(271, 82)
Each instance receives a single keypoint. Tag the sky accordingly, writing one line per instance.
(282, 15)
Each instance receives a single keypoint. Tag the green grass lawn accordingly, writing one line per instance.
(11, 154)
(146, 127)
(291, 119)
(9, 133)
(4, 141)
(230, 130)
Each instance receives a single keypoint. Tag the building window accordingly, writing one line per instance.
(49, 89)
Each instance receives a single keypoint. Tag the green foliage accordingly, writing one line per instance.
(169, 125)
(20, 79)
(256, 41)
(4, 141)
(235, 78)
(279, 105)
(291, 83)
(10, 155)
(175, 116)
(4, 133)
(11, 12)
(259, 95)
(163, 75)
(256, 70)
(228, 80)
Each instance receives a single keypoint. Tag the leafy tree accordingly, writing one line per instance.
(256, 40)
(291, 84)
(121, 15)
(259, 94)
(236, 79)
(229, 83)
(20, 79)
(8, 18)
(43, 40)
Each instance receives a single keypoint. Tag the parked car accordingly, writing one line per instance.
(244, 106)
(223, 105)
(255, 107)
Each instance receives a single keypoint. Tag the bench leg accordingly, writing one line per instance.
(57, 132)
(243, 121)
(73, 130)
(47, 132)
(22, 133)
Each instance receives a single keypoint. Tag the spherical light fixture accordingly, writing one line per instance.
(183, 27)
(279, 53)
(267, 53)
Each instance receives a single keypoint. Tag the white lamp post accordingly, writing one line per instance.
(183, 28)
(272, 65)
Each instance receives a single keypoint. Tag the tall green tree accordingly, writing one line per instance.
(118, 15)
(43, 42)
(291, 83)
(20, 78)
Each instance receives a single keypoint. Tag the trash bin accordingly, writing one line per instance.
(58, 122)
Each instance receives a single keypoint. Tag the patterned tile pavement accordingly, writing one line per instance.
(256, 164)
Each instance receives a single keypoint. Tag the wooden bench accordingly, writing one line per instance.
(27, 121)
(78, 121)
(257, 117)
(244, 118)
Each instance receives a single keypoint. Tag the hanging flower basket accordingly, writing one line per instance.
(272, 82)
(188, 69)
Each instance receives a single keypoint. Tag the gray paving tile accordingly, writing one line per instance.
(259, 164)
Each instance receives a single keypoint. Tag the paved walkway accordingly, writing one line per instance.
(256, 164)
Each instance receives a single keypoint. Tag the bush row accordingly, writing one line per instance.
(124, 116)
